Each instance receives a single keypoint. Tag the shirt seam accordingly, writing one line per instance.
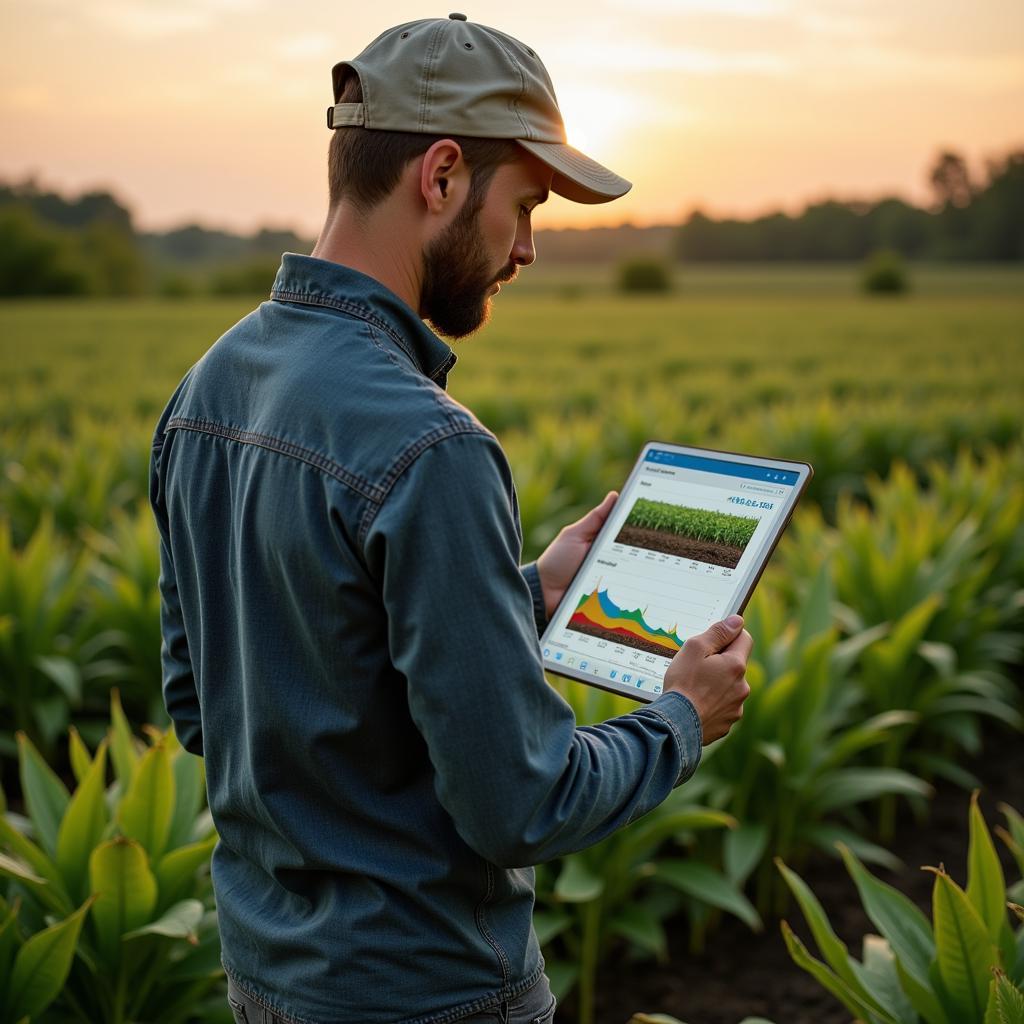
(362, 313)
(678, 735)
(276, 444)
(406, 459)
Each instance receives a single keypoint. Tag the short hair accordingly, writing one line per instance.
(364, 165)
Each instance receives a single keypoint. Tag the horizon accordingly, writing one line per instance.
(838, 101)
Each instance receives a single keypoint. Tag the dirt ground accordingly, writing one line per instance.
(725, 555)
(742, 974)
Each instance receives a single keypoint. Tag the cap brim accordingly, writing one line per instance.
(577, 177)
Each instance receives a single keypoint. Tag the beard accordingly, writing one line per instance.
(457, 276)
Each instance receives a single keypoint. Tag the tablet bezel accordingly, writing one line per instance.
(805, 472)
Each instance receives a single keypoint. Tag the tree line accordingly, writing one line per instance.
(54, 245)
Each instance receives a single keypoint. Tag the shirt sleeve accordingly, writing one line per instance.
(540, 614)
(179, 684)
(521, 782)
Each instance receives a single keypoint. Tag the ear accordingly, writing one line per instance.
(444, 177)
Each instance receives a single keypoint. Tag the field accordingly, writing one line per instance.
(888, 627)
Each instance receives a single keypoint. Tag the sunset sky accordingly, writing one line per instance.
(214, 110)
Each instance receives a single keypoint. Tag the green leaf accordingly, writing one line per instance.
(9, 942)
(707, 885)
(64, 673)
(46, 797)
(23, 847)
(45, 892)
(125, 891)
(83, 825)
(42, 965)
(922, 997)
(640, 926)
(845, 787)
(79, 754)
(986, 884)
(549, 924)
(831, 947)
(123, 751)
(906, 928)
(179, 922)
(878, 976)
(829, 980)
(742, 850)
(189, 790)
(176, 869)
(144, 812)
(576, 882)
(562, 976)
(1008, 1000)
(964, 951)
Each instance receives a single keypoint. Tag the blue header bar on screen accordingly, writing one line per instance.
(706, 465)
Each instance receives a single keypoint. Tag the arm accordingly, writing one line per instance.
(532, 576)
(520, 781)
(179, 685)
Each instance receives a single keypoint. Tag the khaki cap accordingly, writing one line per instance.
(450, 75)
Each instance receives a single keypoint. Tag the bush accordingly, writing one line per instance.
(644, 275)
(884, 274)
(254, 278)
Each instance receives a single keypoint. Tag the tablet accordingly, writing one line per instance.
(686, 541)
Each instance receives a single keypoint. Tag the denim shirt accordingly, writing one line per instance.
(350, 642)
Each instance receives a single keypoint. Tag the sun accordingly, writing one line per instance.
(594, 119)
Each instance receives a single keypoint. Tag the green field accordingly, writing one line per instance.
(888, 628)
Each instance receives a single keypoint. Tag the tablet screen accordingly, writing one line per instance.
(686, 540)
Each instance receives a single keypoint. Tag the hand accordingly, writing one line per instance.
(710, 671)
(565, 554)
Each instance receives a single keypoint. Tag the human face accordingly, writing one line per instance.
(485, 244)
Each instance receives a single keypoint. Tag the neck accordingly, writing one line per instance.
(377, 244)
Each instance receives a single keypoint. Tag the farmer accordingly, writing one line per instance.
(349, 638)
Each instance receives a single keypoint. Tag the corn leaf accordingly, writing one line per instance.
(41, 967)
(640, 926)
(176, 869)
(577, 883)
(144, 812)
(831, 981)
(46, 797)
(906, 928)
(83, 825)
(964, 951)
(125, 891)
(179, 922)
(79, 754)
(708, 886)
(123, 751)
(742, 850)
(831, 947)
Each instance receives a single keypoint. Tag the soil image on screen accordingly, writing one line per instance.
(705, 536)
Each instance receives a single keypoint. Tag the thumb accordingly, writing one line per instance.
(720, 634)
(594, 519)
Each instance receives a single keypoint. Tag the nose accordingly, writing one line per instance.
(523, 252)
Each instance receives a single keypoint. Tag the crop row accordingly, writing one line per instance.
(700, 524)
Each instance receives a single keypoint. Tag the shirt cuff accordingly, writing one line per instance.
(678, 711)
(540, 615)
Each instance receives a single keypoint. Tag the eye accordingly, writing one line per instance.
(524, 212)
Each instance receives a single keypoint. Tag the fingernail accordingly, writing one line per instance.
(734, 621)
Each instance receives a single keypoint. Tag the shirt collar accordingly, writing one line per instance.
(325, 283)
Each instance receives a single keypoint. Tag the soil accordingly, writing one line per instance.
(628, 640)
(744, 974)
(726, 555)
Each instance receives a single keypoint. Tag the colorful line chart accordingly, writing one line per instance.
(596, 614)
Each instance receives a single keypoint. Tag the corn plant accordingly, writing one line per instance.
(698, 523)
(109, 881)
(622, 888)
(965, 966)
(40, 590)
(121, 617)
(791, 771)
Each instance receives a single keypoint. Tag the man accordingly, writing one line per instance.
(349, 638)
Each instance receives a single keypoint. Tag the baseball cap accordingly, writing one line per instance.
(451, 75)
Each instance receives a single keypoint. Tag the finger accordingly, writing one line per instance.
(720, 634)
(592, 522)
(742, 645)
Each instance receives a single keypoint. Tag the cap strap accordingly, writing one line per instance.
(343, 115)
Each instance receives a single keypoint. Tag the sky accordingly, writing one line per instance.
(214, 110)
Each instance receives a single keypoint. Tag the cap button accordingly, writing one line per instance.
(458, 17)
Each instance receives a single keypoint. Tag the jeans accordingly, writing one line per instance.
(534, 1006)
